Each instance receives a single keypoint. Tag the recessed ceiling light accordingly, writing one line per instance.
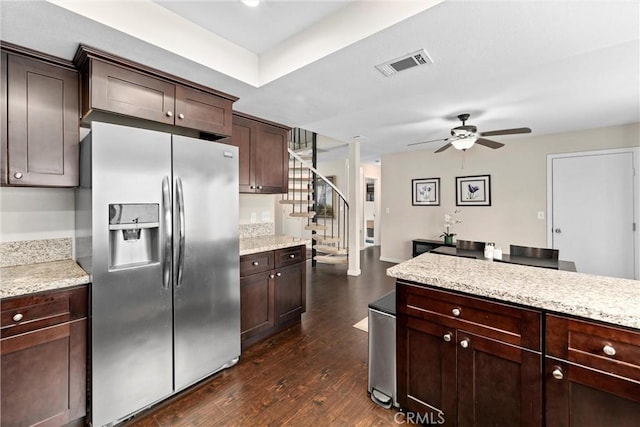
(251, 3)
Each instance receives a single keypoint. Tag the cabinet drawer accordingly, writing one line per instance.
(596, 346)
(28, 313)
(514, 325)
(256, 263)
(290, 256)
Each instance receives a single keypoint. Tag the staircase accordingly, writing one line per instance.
(315, 200)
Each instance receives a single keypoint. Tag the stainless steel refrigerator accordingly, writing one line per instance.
(157, 229)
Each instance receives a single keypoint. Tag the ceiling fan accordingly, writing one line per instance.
(463, 137)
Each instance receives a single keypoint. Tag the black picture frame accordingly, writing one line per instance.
(474, 190)
(425, 192)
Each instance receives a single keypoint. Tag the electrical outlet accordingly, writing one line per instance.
(388, 210)
(266, 216)
(540, 214)
(254, 217)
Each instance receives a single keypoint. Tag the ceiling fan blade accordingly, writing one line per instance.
(444, 147)
(424, 142)
(489, 143)
(506, 132)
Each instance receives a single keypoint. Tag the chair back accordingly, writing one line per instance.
(532, 252)
(469, 245)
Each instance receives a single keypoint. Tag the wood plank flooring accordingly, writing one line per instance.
(312, 374)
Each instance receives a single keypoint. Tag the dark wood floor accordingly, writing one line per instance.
(313, 374)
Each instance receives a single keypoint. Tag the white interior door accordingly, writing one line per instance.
(592, 217)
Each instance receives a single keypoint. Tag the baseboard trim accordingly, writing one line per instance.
(354, 272)
(394, 260)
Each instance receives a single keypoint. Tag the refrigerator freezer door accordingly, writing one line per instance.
(207, 294)
(131, 310)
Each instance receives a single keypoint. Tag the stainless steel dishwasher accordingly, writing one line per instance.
(382, 351)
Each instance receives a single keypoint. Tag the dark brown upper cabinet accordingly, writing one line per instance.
(116, 85)
(40, 134)
(264, 159)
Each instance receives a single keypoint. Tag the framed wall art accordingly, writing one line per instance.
(425, 192)
(473, 190)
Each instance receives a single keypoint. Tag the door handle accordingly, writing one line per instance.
(168, 232)
(557, 230)
(181, 231)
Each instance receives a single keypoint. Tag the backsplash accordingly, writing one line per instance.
(256, 229)
(34, 251)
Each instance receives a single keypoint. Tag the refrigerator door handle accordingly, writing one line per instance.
(181, 226)
(168, 232)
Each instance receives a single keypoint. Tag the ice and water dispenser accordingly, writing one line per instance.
(134, 230)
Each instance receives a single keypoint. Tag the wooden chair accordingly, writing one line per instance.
(531, 252)
(469, 245)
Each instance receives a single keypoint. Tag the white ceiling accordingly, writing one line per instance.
(554, 66)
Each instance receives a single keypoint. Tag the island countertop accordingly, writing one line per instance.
(607, 299)
(253, 245)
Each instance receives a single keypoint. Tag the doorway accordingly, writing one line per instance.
(369, 212)
(592, 210)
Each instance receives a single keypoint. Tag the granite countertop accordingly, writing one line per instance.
(606, 299)
(252, 245)
(45, 276)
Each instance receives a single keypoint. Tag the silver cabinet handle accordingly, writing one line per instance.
(557, 373)
(181, 116)
(609, 350)
(255, 263)
(18, 175)
(278, 274)
(181, 233)
(169, 114)
(272, 276)
(168, 232)
(17, 317)
(252, 187)
(292, 256)
(447, 337)
(259, 187)
(465, 343)
(456, 312)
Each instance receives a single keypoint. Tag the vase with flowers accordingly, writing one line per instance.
(449, 221)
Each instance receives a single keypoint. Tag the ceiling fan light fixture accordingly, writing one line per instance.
(464, 143)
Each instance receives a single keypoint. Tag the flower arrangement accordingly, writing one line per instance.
(450, 221)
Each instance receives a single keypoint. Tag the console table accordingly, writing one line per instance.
(421, 246)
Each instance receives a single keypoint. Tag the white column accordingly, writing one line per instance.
(355, 208)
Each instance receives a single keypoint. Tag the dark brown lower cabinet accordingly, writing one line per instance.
(464, 379)
(272, 292)
(450, 372)
(43, 352)
(592, 374)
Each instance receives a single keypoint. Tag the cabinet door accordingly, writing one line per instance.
(290, 293)
(426, 368)
(582, 397)
(130, 93)
(43, 375)
(498, 384)
(271, 159)
(203, 111)
(243, 135)
(43, 127)
(256, 304)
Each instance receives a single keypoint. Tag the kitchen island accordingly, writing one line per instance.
(478, 342)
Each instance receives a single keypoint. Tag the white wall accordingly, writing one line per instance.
(257, 208)
(36, 213)
(518, 189)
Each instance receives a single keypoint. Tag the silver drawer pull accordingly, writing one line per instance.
(278, 274)
(255, 263)
(271, 276)
(447, 337)
(17, 317)
(557, 374)
(17, 175)
(181, 116)
(456, 312)
(464, 343)
(609, 350)
(292, 256)
(169, 114)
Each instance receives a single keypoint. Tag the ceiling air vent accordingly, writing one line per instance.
(405, 62)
